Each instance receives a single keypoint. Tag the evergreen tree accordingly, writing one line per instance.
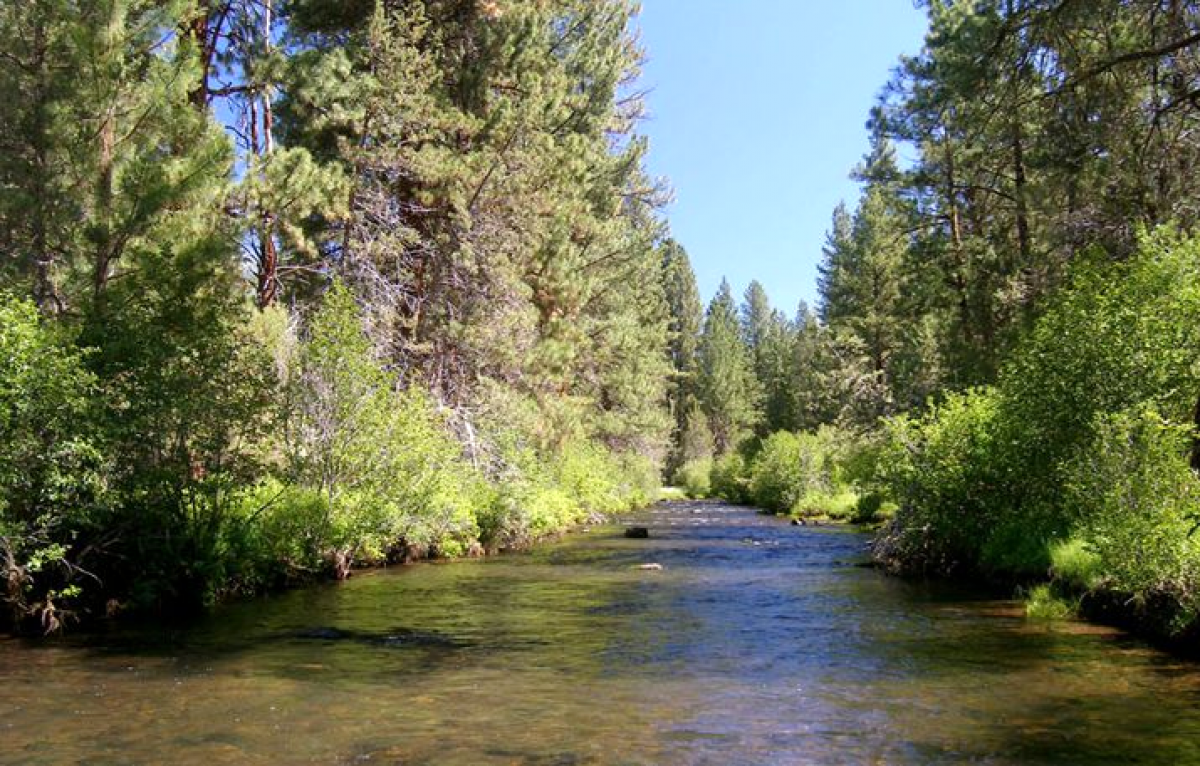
(756, 320)
(837, 257)
(687, 318)
(776, 373)
(862, 285)
(729, 392)
(769, 337)
(498, 232)
(814, 400)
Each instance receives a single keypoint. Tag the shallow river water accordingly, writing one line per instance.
(759, 643)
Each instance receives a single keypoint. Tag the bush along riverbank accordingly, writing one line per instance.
(354, 471)
(1077, 469)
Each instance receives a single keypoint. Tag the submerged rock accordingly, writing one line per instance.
(637, 533)
(323, 634)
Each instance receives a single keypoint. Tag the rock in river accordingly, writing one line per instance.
(637, 533)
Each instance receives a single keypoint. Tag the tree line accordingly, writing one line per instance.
(292, 286)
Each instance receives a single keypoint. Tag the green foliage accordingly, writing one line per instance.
(491, 363)
(541, 495)
(687, 317)
(941, 470)
(381, 458)
(730, 479)
(1074, 564)
(872, 508)
(52, 471)
(1138, 504)
(778, 476)
(806, 474)
(838, 505)
(730, 394)
(695, 477)
(1042, 603)
(1077, 464)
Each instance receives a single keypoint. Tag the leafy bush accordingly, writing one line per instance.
(1043, 603)
(778, 473)
(940, 468)
(53, 473)
(379, 461)
(730, 481)
(791, 466)
(1074, 564)
(592, 477)
(695, 477)
(1138, 503)
(872, 508)
(536, 495)
(639, 480)
(1077, 463)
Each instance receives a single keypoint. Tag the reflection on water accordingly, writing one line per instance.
(760, 643)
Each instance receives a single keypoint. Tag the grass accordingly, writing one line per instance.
(1041, 603)
(837, 506)
(1074, 565)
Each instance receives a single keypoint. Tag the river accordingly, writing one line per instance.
(758, 643)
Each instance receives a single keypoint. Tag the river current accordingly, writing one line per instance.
(757, 643)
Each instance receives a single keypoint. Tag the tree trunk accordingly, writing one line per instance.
(1196, 438)
(44, 293)
(1024, 239)
(263, 140)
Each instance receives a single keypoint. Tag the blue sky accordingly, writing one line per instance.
(757, 112)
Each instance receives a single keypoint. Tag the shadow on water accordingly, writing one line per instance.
(756, 643)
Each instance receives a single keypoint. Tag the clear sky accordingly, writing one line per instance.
(757, 112)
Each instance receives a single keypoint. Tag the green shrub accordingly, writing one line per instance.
(1138, 503)
(639, 480)
(1042, 603)
(53, 474)
(791, 466)
(872, 508)
(1076, 565)
(379, 460)
(538, 495)
(695, 478)
(730, 481)
(1076, 463)
(592, 476)
(779, 475)
(837, 505)
(940, 468)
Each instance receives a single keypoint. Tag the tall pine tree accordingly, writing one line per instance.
(730, 393)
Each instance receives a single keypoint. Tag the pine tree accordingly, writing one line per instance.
(729, 392)
(863, 285)
(687, 318)
(777, 375)
(500, 232)
(756, 319)
(814, 400)
(837, 256)
(769, 336)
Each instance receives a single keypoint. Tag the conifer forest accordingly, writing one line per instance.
(292, 290)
